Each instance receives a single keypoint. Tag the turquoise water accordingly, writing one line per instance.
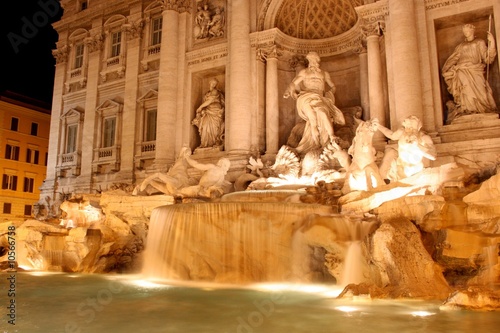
(101, 303)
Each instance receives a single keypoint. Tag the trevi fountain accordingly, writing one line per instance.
(352, 225)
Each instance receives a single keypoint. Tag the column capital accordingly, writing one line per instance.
(94, 43)
(134, 29)
(179, 6)
(373, 29)
(267, 52)
(61, 54)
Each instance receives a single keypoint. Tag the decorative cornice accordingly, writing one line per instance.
(374, 12)
(324, 47)
(435, 4)
(180, 6)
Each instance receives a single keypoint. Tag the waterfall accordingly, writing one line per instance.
(233, 242)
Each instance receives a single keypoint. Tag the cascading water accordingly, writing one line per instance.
(236, 241)
(225, 241)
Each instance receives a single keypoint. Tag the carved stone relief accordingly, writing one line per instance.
(209, 20)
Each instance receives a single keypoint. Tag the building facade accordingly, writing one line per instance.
(131, 75)
(24, 143)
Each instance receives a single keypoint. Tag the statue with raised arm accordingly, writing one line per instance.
(464, 71)
(210, 117)
(413, 146)
(315, 104)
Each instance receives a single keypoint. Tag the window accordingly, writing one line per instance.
(46, 159)
(34, 129)
(29, 184)
(12, 152)
(32, 156)
(156, 25)
(79, 55)
(9, 182)
(7, 207)
(116, 39)
(14, 124)
(150, 130)
(27, 210)
(109, 132)
(71, 138)
(84, 4)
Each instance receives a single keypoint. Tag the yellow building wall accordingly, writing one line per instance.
(27, 115)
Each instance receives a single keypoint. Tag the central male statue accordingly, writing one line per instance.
(315, 106)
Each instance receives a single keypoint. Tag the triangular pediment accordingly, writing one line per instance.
(151, 94)
(108, 105)
(72, 113)
(155, 6)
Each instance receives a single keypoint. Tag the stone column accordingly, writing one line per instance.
(129, 129)
(363, 82)
(406, 74)
(48, 187)
(272, 100)
(94, 45)
(375, 83)
(238, 113)
(167, 90)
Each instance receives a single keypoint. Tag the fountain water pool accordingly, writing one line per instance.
(56, 302)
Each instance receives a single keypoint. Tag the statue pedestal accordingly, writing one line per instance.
(471, 127)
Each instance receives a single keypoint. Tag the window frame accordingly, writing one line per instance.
(16, 129)
(9, 182)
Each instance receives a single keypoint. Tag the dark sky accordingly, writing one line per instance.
(27, 65)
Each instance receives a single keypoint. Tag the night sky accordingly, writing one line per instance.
(27, 65)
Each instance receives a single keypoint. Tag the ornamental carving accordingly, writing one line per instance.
(134, 29)
(95, 43)
(210, 20)
(177, 5)
(373, 29)
(61, 54)
(265, 53)
(306, 19)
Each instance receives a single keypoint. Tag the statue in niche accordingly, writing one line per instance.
(212, 183)
(314, 105)
(463, 73)
(210, 117)
(171, 182)
(363, 173)
(413, 146)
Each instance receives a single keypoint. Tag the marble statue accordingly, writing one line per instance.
(210, 117)
(363, 173)
(171, 182)
(314, 105)
(202, 22)
(413, 146)
(463, 73)
(216, 25)
(212, 183)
